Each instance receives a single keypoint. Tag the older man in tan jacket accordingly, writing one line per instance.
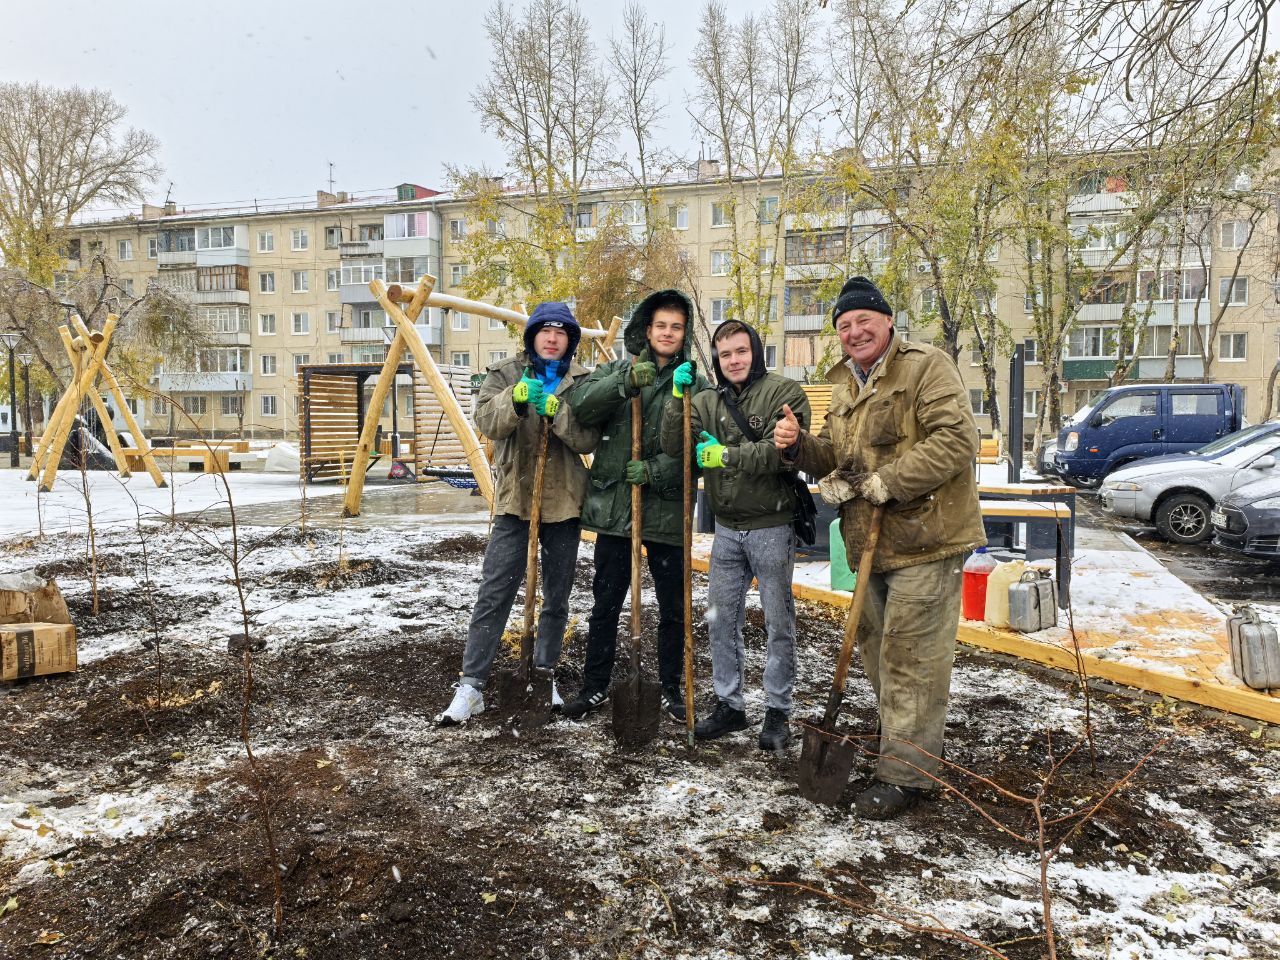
(899, 432)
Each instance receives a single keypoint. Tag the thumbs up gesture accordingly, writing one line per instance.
(787, 430)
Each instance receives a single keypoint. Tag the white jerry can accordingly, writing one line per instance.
(1033, 602)
(1255, 650)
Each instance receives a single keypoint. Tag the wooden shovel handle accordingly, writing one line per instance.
(851, 623)
(531, 559)
(688, 560)
(637, 531)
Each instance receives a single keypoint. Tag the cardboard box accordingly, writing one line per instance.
(26, 598)
(36, 649)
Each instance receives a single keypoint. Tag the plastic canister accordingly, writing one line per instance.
(842, 578)
(977, 568)
(996, 610)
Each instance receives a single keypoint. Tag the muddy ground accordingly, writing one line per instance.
(130, 827)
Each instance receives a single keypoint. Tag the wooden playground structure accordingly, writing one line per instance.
(87, 352)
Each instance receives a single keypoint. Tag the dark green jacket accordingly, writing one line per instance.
(603, 403)
(754, 489)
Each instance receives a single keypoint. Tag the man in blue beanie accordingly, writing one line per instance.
(517, 393)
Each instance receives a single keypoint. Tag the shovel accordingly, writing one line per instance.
(637, 700)
(688, 558)
(524, 694)
(825, 764)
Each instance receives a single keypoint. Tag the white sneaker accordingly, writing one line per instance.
(557, 701)
(467, 702)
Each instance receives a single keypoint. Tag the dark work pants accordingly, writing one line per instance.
(612, 581)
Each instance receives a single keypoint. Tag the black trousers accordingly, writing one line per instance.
(612, 580)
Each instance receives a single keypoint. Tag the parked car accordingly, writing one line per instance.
(1247, 521)
(1177, 494)
(1137, 422)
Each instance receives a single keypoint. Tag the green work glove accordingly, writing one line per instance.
(642, 374)
(527, 390)
(547, 404)
(637, 473)
(683, 377)
(710, 452)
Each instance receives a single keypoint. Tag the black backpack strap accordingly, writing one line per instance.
(732, 403)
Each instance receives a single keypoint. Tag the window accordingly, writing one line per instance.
(802, 300)
(928, 300)
(332, 320)
(1030, 350)
(269, 405)
(1193, 404)
(232, 405)
(370, 231)
(331, 278)
(406, 269)
(400, 226)
(461, 321)
(978, 402)
(299, 238)
(767, 257)
(332, 237)
(815, 248)
(362, 271)
(266, 241)
(975, 354)
(1164, 287)
(368, 319)
(337, 358)
(223, 360)
(1031, 403)
(678, 214)
(721, 215)
(124, 250)
(225, 319)
(497, 356)
(1092, 342)
(720, 309)
(301, 322)
(267, 363)
(300, 360)
(871, 242)
(158, 406)
(721, 263)
(266, 324)
(1128, 405)
(95, 247)
(1155, 341)
(771, 356)
(496, 324)
(457, 274)
(631, 212)
(1233, 291)
(267, 282)
(457, 230)
(1234, 234)
(301, 281)
(215, 238)
(153, 247)
(1030, 301)
(195, 406)
(584, 217)
(460, 358)
(1231, 346)
(128, 285)
(768, 212)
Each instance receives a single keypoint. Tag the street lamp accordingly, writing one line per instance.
(389, 334)
(10, 340)
(25, 359)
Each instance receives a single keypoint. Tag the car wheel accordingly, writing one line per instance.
(1184, 518)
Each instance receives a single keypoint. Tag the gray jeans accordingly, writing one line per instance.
(501, 576)
(736, 557)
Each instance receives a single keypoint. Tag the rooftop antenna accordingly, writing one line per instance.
(331, 176)
(168, 194)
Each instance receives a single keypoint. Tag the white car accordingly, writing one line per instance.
(1177, 494)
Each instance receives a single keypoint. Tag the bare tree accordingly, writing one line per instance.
(639, 61)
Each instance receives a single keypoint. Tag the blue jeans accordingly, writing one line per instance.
(768, 555)
(501, 576)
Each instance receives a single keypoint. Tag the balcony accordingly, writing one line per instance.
(238, 338)
(223, 257)
(827, 220)
(1101, 202)
(360, 248)
(1184, 368)
(219, 296)
(176, 258)
(355, 293)
(362, 335)
(810, 271)
(204, 382)
(807, 322)
(584, 234)
(412, 247)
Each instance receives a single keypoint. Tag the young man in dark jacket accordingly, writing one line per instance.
(517, 394)
(752, 495)
(655, 337)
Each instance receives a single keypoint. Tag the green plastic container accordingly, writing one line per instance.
(842, 578)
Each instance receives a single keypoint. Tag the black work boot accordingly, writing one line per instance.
(884, 801)
(584, 702)
(673, 703)
(775, 735)
(724, 720)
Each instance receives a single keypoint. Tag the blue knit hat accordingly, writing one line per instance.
(552, 314)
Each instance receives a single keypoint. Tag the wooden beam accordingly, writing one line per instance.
(512, 318)
(75, 396)
(457, 419)
(59, 411)
(104, 415)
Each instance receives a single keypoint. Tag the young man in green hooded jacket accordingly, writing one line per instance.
(656, 338)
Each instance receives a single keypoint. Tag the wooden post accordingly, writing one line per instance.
(55, 418)
(76, 391)
(457, 418)
(122, 464)
(386, 382)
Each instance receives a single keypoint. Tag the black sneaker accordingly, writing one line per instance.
(584, 703)
(723, 721)
(673, 704)
(884, 801)
(775, 735)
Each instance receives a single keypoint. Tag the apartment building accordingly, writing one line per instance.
(281, 288)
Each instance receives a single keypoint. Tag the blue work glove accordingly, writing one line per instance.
(547, 404)
(710, 452)
(682, 378)
(527, 390)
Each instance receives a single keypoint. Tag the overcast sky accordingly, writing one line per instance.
(251, 99)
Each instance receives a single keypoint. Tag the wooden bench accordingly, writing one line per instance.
(209, 461)
(989, 451)
(1054, 521)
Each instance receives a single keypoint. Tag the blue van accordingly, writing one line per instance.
(1131, 423)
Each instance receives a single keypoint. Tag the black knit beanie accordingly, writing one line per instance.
(859, 293)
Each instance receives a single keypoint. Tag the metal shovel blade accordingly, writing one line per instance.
(825, 765)
(637, 710)
(524, 697)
